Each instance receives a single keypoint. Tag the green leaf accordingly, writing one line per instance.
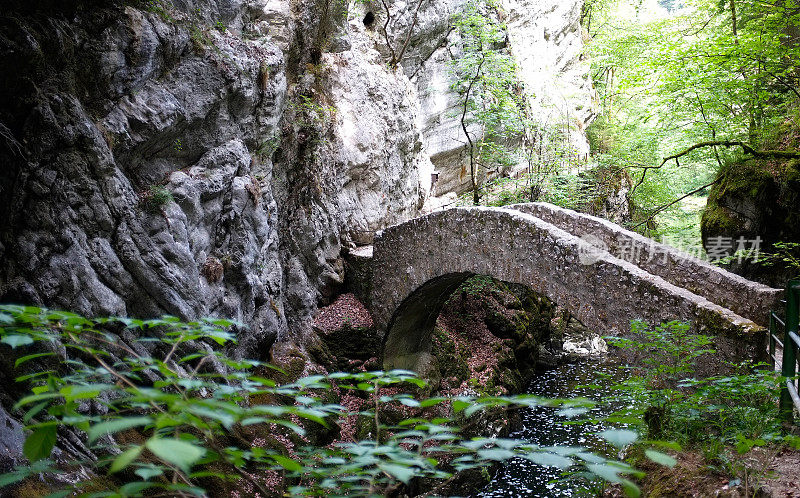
(425, 403)
(548, 459)
(225, 418)
(77, 392)
(17, 340)
(11, 478)
(175, 451)
(619, 437)
(497, 454)
(631, 490)
(148, 472)
(116, 425)
(459, 406)
(287, 463)
(33, 411)
(607, 472)
(661, 458)
(125, 458)
(40, 443)
(29, 357)
(403, 474)
(135, 488)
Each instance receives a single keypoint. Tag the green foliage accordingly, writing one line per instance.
(784, 256)
(676, 350)
(156, 198)
(724, 417)
(567, 189)
(673, 405)
(493, 108)
(670, 79)
(189, 414)
(161, 8)
(268, 147)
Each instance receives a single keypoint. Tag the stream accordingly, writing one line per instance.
(543, 426)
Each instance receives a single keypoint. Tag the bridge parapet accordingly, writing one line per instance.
(744, 297)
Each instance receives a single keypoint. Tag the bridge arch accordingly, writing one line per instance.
(418, 264)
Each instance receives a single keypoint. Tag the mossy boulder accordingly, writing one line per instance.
(754, 199)
(488, 334)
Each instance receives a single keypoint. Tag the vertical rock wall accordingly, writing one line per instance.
(214, 157)
(155, 160)
(546, 40)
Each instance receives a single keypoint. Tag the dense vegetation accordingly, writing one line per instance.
(687, 88)
(170, 413)
(689, 95)
(723, 418)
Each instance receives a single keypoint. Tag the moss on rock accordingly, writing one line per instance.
(450, 362)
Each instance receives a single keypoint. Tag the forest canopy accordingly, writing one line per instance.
(685, 87)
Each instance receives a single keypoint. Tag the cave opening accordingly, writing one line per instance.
(369, 20)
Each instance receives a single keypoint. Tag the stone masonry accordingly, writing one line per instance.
(418, 264)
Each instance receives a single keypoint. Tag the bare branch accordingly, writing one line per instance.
(410, 32)
(746, 148)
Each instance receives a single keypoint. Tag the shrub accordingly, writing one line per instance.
(185, 417)
(664, 396)
(156, 198)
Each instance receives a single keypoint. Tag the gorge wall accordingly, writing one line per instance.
(545, 39)
(215, 157)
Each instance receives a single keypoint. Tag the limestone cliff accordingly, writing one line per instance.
(214, 157)
(195, 158)
(544, 37)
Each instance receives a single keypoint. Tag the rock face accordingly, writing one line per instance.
(544, 37)
(214, 157)
(547, 41)
(196, 158)
(487, 338)
(755, 199)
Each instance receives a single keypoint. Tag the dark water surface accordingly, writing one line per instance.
(523, 478)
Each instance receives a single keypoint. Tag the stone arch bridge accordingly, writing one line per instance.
(604, 275)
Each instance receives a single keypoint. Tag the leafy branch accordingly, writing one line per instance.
(746, 148)
(197, 427)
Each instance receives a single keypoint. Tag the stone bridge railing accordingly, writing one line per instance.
(744, 297)
(418, 264)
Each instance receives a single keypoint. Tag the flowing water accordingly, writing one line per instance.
(587, 377)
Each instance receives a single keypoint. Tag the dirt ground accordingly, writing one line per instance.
(772, 473)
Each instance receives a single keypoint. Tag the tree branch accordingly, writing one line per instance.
(746, 148)
(410, 32)
(435, 48)
(475, 197)
(665, 206)
(386, 32)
